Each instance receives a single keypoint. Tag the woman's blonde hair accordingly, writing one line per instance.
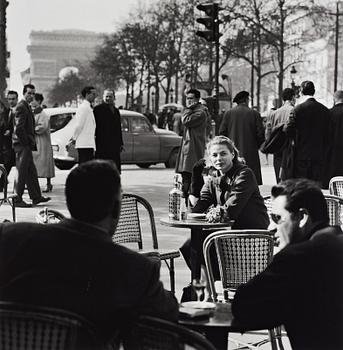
(223, 140)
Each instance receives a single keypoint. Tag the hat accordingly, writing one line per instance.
(242, 95)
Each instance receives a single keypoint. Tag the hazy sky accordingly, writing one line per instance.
(26, 15)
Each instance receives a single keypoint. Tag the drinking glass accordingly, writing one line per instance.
(199, 286)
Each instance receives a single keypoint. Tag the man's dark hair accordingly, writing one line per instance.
(39, 97)
(12, 92)
(195, 92)
(86, 90)
(303, 193)
(307, 88)
(28, 86)
(92, 191)
(288, 94)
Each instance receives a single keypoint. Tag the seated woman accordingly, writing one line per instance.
(231, 185)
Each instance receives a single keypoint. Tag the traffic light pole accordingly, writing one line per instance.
(212, 35)
(216, 85)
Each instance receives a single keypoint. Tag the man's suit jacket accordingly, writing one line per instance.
(108, 134)
(24, 127)
(309, 126)
(302, 289)
(335, 163)
(84, 132)
(77, 267)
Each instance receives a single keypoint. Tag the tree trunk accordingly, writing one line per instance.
(282, 52)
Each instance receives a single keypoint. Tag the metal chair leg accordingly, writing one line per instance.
(172, 275)
(272, 339)
(278, 333)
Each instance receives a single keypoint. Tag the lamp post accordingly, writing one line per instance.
(293, 72)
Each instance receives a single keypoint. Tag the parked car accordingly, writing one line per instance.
(143, 144)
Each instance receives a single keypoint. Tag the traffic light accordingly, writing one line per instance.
(211, 22)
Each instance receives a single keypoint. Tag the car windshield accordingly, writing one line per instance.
(59, 121)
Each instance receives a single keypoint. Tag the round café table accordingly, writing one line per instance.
(197, 227)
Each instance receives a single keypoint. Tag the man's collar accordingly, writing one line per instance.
(88, 229)
(307, 97)
(314, 227)
(87, 102)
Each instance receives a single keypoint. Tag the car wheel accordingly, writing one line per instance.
(144, 165)
(64, 165)
(171, 162)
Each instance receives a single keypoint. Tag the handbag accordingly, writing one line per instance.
(276, 142)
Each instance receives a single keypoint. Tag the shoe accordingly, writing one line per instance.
(48, 188)
(22, 204)
(40, 200)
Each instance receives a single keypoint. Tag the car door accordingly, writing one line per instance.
(146, 143)
(126, 155)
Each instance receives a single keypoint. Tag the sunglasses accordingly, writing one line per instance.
(277, 218)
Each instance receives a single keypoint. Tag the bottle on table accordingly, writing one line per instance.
(183, 208)
(175, 199)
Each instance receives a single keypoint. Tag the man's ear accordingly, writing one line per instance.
(304, 217)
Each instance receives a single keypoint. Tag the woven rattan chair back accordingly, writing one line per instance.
(129, 226)
(49, 216)
(151, 333)
(129, 230)
(242, 254)
(5, 199)
(268, 203)
(336, 186)
(39, 328)
(334, 205)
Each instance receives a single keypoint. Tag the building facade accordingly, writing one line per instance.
(51, 51)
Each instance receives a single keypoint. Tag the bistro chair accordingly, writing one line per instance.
(49, 216)
(41, 328)
(334, 204)
(241, 254)
(268, 203)
(129, 230)
(5, 199)
(150, 333)
(336, 186)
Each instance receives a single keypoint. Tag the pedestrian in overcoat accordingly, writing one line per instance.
(244, 127)
(108, 133)
(194, 122)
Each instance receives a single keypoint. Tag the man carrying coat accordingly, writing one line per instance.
(194, 121)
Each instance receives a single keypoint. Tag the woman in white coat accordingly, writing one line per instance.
(43, 157)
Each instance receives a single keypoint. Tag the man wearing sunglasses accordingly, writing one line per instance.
(302, 288)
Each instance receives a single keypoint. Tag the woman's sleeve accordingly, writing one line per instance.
(242, 188)
(42, 123)
(206, 198)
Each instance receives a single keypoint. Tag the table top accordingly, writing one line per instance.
(193, 223)
(221, 317)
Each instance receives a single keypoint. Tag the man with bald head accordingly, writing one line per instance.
(108, 134)
(335, 163)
